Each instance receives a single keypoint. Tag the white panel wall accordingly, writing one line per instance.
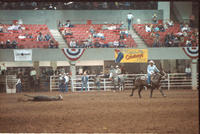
(165, 6)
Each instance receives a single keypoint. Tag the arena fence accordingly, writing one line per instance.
(173, 81)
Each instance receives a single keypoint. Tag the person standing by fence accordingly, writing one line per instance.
(19, 85)
(84, 80)
(66, 78)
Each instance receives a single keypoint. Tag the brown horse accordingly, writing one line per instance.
(140, 82)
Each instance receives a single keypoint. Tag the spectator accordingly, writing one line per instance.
(73, 43)
(176, 42)
(156, 42)
(188, 71)
(122, 26)
(188, 42)
(156, 29)
(66, 77)
(97, 44)
(147, 28)
(192, 20)
(61, 82)
(1, 44)
(165, 26)
(14, 44)
(92, 30)
(68, 24)
(129, 19)
(116, 43)
(19, 85)
(47, 37)
(97, 81)
(99, 35)
(170, 23)
(185, 28)
(124, 32)
(84, 80)
(68, 32)
(8, 44)
(3, 69)
(14, 27)
(1, 29)
(154, 18)
(161, 28)
(51, 44)
(40, 37)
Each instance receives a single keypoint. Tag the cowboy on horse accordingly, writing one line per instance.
(151, 69)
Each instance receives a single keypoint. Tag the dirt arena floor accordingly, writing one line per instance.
(102, 112)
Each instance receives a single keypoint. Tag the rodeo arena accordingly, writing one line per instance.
(99, 67)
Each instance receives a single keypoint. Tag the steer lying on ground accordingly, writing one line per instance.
(45, 98)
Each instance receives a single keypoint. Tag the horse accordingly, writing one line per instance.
(117, 80)
(141, 81)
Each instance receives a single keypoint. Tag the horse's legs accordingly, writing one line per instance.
(151, 92)
(133, 89)
(161, 91)
(139, 91)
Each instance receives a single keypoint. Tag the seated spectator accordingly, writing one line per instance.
(166, 26)
(170, 23)
(103, 44)
(156, 43)
(1, 29)
(147, 28)
(154, 18)
(14, 44)
(92, 30)
(1, 44)
(104, 27)
(116, 43)
(99, 35)
(157, 35)
(122, 43)
(188, 43)
(8, 44)
(22, 37)
(40, 37)
(122, 26)
(112, 27)
(124, 32)
(14, 27)
(176, 42)
(86, 44)
(161, 27)
(47, 37)
(97, 44)
(51, 44)
(29, 36)
(68, 24)
(90, 40)
(156, 29)
(68, 32)
(185, 28)
(73, 43)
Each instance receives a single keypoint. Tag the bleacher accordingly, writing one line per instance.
(32, 29)
(81, 32)
(146, 36)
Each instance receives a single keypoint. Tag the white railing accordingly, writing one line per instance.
(173, 80)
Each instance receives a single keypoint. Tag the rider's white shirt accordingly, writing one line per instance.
(118, 71)
(152, 69)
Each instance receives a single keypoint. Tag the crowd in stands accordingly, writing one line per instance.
(26, 36)
(96, 35)
(168, 34)
(150, 5)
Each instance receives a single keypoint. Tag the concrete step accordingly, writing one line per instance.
(58, 37)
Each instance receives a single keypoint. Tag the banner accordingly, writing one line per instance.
(73, 53)
(131, 55)
(23, 54)
(191, 52)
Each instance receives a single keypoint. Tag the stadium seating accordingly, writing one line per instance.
(81, 33)
(32, 29)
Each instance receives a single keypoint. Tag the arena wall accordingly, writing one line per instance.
(51, 17)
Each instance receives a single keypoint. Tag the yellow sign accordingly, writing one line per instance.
(131, 55)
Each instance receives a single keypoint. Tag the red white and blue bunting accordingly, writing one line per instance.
(191, 52)
(73, 53)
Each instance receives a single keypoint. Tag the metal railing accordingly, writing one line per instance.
(173, 80)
